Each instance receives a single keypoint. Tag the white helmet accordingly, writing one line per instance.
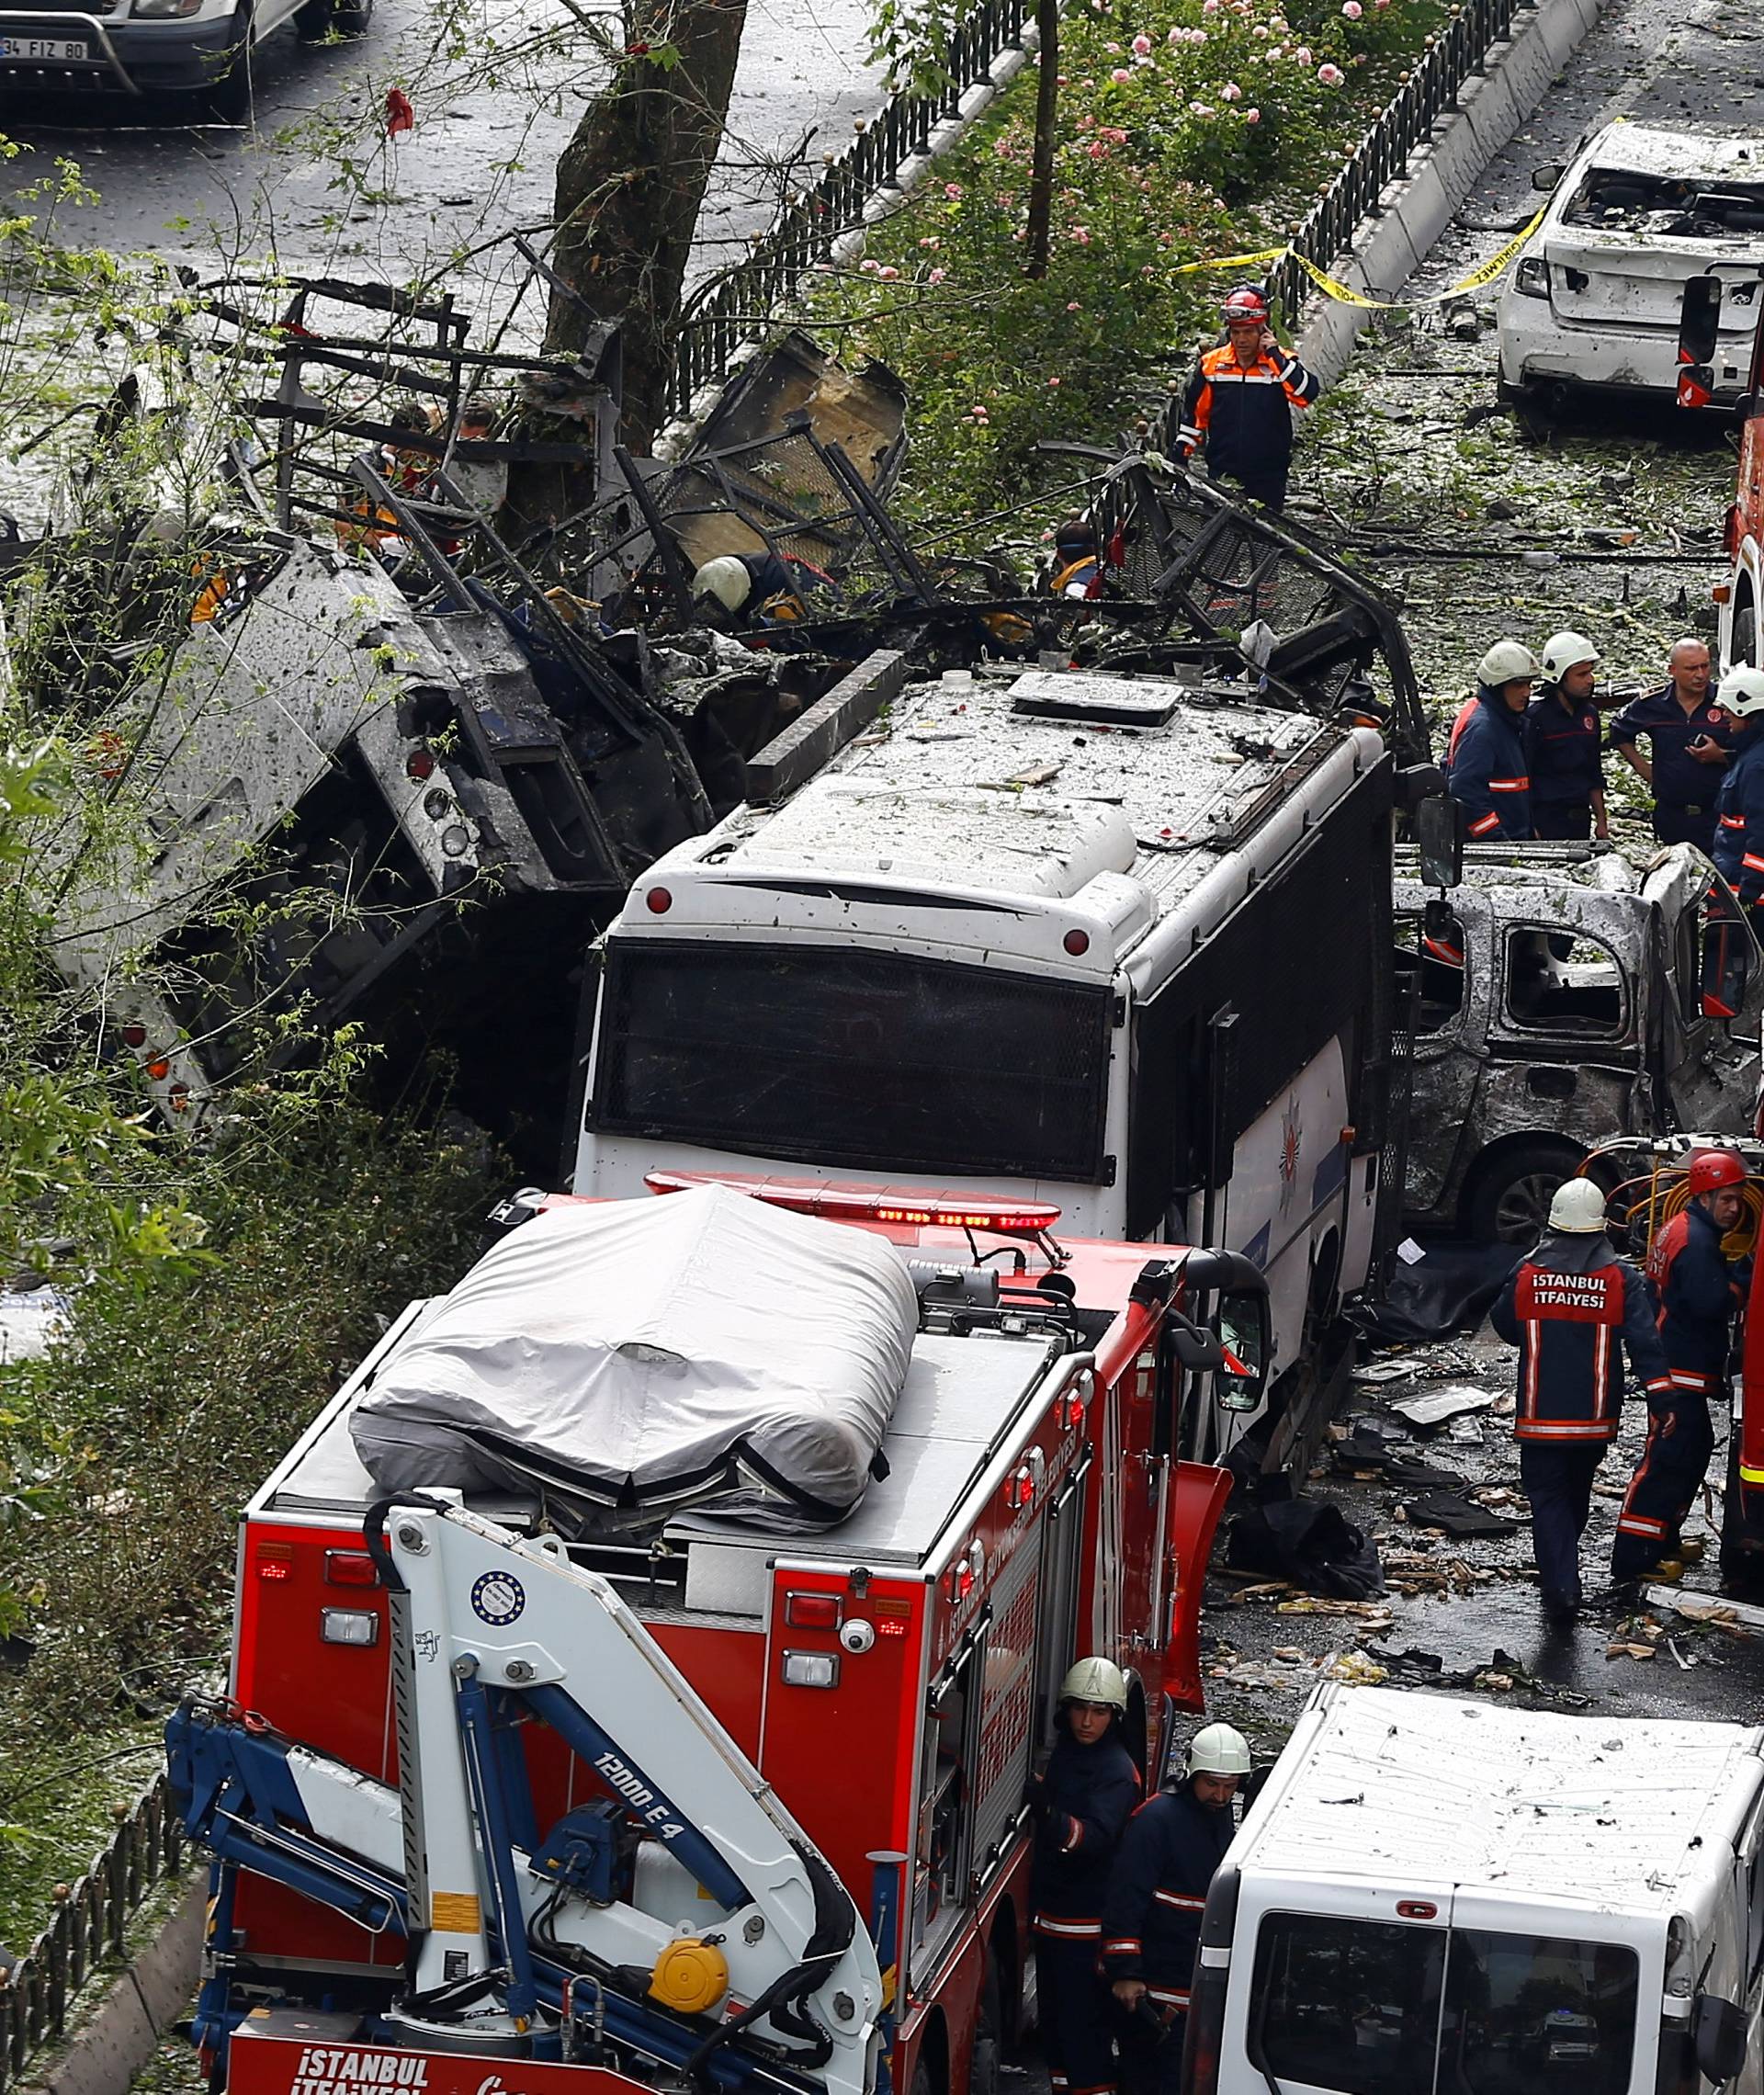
(1508, 662)
(1563, 651)
(1578, 1208)
(1742, 692)
(724, 578)
(1095, 1681)
(1218, 1749)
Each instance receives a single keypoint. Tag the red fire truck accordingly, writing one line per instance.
(1741, 595)
(894, 1678)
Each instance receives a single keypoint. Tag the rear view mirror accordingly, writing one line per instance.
(1718, 2030)
(1548, 177)
(1699, 320)
(1439, 835)
(1242, 1326)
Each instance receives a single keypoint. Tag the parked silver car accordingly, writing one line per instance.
(1565, 994)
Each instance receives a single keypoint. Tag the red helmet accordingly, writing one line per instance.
(1711, 1169)
(1246, 304)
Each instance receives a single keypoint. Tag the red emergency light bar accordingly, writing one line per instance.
(873, 1203)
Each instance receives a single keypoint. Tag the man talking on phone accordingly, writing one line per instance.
(1690, 742)
(1239, 401)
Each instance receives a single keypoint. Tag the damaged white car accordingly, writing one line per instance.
(1596, 299)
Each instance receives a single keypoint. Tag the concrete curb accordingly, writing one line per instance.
(1416, 209)
(120, 2035)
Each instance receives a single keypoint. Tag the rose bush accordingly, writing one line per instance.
(1187, 129)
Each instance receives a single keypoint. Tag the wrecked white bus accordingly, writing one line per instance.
(1111, 950)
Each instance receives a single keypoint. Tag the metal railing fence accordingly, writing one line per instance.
(745, 303)
(87, 1927)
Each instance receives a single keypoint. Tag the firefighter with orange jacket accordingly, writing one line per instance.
(1081, 1806)
(1573, 1307)
(1698, 1292)
(1151, 1918)
(1239, 401)
(1486, 770)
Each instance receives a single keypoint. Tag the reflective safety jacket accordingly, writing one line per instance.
(1698, 1294)
(1151, 1919)
(1086, 1797)
(1562, 749)
(1680, 781)
(1484, 768)
(1739, 821)
(1571, 1309)
(1242, 416)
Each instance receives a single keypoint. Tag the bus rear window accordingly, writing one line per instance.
(1373, 2007)
(843, 1057)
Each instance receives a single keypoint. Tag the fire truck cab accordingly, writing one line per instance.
(894, 1678)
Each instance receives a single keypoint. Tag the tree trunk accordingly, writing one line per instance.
(1041, 167)
(630, 186)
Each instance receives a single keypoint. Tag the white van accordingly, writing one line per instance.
(1433, 1896)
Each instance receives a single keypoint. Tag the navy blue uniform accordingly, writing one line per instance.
(1486, 769)
(1563, 746)
(1573, 1309)
(1684, 790)
(1151, 1924)
(1084, 1801)
(1243, 415)
(1739, 824)
(1697, 1294)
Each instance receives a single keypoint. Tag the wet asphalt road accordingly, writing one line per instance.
(315, 180)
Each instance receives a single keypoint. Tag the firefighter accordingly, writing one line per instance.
(1151, 1918)
(766, 589)
(1239, 400)
(1081, 1806)
(1739, 804)
(1698, 1294)
(1077, 564)
(1485, 758)
(1562, 744)
(1572, 1307)
(1689, 744)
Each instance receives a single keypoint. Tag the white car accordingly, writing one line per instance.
(124, 50)
(1596, 297)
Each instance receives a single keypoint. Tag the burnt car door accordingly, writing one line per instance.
(1710, 995)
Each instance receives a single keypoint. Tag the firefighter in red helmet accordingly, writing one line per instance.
(1239, 400)
(1698, 1293)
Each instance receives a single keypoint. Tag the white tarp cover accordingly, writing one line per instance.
(628, 1358)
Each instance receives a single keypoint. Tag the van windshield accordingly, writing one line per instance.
(1374, 2008)
(843, 1055)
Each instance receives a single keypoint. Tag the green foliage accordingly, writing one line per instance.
(1173, 115)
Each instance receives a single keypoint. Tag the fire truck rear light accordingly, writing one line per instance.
(872, 1203)
(1076, 943)
(890, 1625)
(134, 1036)
(1417, 1910)
(1721, 592)
(349, 1567)
(811, 1668)
(658, 901)
(276, 1560)
(348, 1626)
(159, 1068)
(419, 764)
(178, 1098)
(811, 1611)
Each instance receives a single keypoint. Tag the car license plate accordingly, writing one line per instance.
(41, 48)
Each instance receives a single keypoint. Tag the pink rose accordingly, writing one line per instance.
(1302, 56)
(1353, 9)
(1201, 110)
(1142, 46)
(1081, 235)
(1072, 306)
(1231, 92)
(1252, 116)
(953, 190)
(936, 275)
(1120, 76)
(1053, 381)
(870, 268)
(1330, 75)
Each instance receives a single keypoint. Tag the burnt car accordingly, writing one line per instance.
(1563, 994)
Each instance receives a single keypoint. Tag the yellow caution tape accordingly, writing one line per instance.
(1344, 294)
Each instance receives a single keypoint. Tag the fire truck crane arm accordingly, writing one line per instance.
(488, 1630)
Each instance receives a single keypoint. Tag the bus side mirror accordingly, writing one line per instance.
(1242, 1328)
(1718, 2030)
(1438, 838)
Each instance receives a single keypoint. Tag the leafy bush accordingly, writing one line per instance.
(1173, 115)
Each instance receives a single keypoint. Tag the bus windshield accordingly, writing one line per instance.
(840, 1056)
(1374, 2008)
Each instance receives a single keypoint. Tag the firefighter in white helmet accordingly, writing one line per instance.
(1485, 756)
(1564, 743)
(1739, 804)
(1151, 1918)
(1080, 1804)
(766, 590)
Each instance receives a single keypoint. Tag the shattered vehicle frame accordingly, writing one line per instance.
(1565, 995)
